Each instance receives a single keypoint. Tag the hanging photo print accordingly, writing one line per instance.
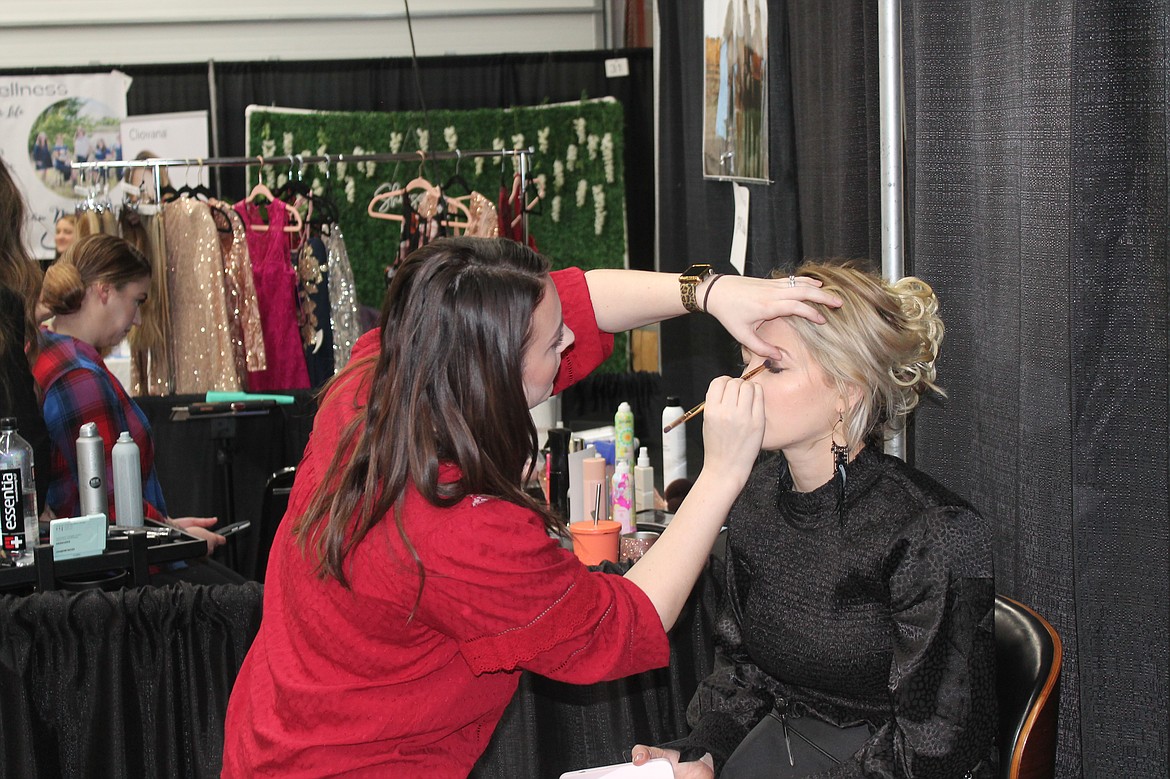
(46, 124)
(735, 90)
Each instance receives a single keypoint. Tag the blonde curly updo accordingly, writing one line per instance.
(883, 340)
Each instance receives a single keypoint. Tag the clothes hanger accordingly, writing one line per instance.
(167, 192)
(260, 190)
(294, 187)
(199, 191)
(457, 180)
(374, 208)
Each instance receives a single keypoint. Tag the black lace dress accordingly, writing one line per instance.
(881, 612)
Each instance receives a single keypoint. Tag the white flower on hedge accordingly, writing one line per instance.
(350, 189)
(598, 208)
(558, 175)
(582, 192)
(322, 166)
(571, 157)
(361, 166)
(451, 137)
(579, 128)
(591, 144)
(269, 176)
(342, 166)
(317, 188)
(518, 141)
(281, 180)
(424, 138)
(541, 185)
(268, 148)
(607, 156)
(542, 140)
(479, 166)
(497, 143)
(288, 144)
(396, 140)
(556, 208)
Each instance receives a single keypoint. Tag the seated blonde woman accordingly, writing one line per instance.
(858, 636)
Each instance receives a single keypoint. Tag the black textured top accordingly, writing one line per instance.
(882, 614)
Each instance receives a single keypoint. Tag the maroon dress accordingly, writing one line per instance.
(276, 293)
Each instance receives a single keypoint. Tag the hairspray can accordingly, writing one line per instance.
(91, 470)
(623, 440)
(127, 482)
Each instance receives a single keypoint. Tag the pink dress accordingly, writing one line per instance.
(276, 292)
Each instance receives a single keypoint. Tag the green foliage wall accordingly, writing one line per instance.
(577, 165)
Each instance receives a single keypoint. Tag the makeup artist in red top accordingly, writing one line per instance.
(412, 577)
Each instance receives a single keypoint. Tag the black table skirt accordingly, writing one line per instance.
(136, 683)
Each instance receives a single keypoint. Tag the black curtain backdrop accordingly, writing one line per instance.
(463, 82)
(1038, 147)
(696, 214)
(1037, 205)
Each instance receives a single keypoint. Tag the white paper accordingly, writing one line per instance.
(658, 768)
(742, 197)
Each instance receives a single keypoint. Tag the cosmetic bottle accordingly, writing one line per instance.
(674, 444)
(643, 482)
(558, 470)
(91, 470)
(622, 496)
(593, 470)
(623, 435)
(127, 482)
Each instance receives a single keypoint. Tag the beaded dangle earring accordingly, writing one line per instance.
(840, 459)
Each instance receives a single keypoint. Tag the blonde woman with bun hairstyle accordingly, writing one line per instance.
(857, 638)
(94, 292)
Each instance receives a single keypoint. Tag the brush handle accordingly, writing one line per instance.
(694, 412)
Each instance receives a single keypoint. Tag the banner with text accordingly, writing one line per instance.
(48, 122)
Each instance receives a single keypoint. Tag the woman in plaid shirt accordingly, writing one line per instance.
(94, 292)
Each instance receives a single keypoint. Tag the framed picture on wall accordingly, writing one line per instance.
(735, 89)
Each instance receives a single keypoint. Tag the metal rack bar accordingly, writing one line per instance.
(158, 163)
(306, 159)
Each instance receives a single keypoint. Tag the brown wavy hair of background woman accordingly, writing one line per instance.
(19, 272)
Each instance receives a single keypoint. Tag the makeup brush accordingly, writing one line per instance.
(694, 412)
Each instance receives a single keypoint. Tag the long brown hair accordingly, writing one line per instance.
(448, 386)
(19, 272)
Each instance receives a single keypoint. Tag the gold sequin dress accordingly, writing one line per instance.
(204, 359)
(243, 310)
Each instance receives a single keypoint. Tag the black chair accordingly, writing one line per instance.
(272, 509)
(1028, 655)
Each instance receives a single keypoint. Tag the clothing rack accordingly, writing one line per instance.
(524, 157)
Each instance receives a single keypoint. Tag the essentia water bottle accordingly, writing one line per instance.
(18, 496)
